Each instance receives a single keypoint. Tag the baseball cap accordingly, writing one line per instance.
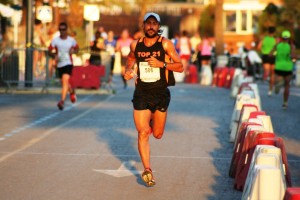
(152, 14)
(286, 34)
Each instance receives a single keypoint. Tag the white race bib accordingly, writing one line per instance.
(148, 73)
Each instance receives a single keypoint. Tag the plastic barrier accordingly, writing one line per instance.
(252, 139)
(230, 77)
(222, 76)
(254, 87)
(222, 60)
(267, 122)
(87, 77)
(278, 142)
(206, 75)
(292, 194)
(265, 155)
(266, 184)
(243, 116)
(238, 146)
(238, 79)
(297, 73)
(216, 73)
(192, 76)
(241, 99)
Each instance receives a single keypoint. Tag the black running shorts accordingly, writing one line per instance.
(267, 59)
(151, 99)
(283, 73)
(65, 70)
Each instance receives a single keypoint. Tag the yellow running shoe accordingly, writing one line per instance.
(147, 177)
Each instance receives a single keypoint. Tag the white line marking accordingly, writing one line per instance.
(41, 120)
(47, 133)
(126, 169)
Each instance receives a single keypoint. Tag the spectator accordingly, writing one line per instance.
(123, 46)
(110, 46)
(96, 47)
(185, 50)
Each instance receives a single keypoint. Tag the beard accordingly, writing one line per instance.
(151, 35)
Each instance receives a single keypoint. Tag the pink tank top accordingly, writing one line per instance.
(125, 46)
(206, 48)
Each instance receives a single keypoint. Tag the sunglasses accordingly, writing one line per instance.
(62, 29)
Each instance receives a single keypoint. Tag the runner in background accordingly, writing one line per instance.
(62, 48)
(265, 46)
(285, 54)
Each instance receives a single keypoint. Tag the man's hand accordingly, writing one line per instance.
(129, 74)
(153, 62)
(73, 51)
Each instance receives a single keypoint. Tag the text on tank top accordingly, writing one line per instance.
(150, 77)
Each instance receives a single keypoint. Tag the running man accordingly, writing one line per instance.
(154, 57)
(285, 54)
(265, 46)
(62, 48)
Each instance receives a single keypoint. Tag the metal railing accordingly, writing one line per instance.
(12, 69)
(13, 72)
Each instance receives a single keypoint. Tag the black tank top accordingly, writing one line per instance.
(143, 52)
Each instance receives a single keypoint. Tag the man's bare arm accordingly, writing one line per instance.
(131, 60)
(175, 64)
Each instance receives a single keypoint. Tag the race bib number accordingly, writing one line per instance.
(147, 73)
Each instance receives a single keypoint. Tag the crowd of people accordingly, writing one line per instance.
(199, 50)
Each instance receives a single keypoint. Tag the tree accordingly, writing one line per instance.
(211, 24)
(269, 17)
(286, 17)
(207, 20)
(219, 28)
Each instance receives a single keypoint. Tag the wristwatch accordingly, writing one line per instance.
(165, 65)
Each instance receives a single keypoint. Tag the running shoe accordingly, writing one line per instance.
(284, 106)
(60, 105)
(73, 97)
(147, 177)
(270, 93)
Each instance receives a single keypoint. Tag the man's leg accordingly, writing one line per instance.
(266, 67)
(142, 119)
(286, 92)
(158, 123)
(272, 75)
(65, 86)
